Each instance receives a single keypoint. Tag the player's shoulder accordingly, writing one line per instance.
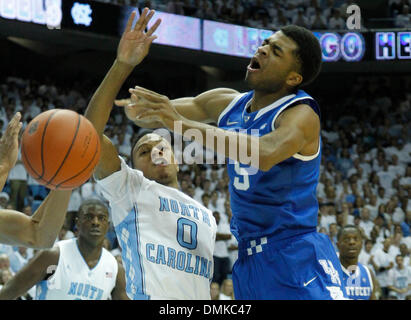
(109, 258)
(49, 256)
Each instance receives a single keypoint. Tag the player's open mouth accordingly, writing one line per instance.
(95, 232)
(254, 65)
(160, 162)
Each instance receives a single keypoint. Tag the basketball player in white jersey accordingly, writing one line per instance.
(75, 269)
(167, 238)
(41, 229)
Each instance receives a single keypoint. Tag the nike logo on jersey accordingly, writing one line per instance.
(308, 282)
(229, 123)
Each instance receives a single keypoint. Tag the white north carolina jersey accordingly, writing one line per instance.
(167, 238)
(74, 280)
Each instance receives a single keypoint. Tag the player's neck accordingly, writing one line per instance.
(89, 251)
(347, 262)
(262, 99)
(172, 184)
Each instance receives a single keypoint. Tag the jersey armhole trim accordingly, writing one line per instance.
(229, 107)
(297, 155)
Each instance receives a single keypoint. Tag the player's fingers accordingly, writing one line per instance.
(11, 127)
(147, 114)
(149, 96)
(153, 28)
(147, 19)
(140, 21)
(138, 89)
(130, 21)
(122, 102)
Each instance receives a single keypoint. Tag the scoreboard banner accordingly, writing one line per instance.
(202, 35)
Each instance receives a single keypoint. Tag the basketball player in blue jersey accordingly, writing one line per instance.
(360, 282)
(281, 256)
(41, 229)
(75, 269)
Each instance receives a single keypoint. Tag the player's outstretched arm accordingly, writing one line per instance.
(297, 131)
(41, 229)
(36, 270)
(119, 292)
(9, 148)
(132, 49)
(205, 107)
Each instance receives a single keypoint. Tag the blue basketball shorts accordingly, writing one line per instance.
(304, 267)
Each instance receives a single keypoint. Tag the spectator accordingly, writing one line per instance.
(405, 253)
(175, 6)
(227, 290)
(336, 22)
(4, 199)
(317, 21)
(406, 225)
(215, 291)
(366, 224)
(382, 263)
(403, 20)
(300, 19)
(399, 279)
(365, 254)
(5, 275)
(221, 256)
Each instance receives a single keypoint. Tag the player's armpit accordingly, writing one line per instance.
(119, 292)
(297, 131)
(109, 161)
(207, 106)
(36, 270)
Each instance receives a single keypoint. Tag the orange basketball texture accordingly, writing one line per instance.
(60, 149)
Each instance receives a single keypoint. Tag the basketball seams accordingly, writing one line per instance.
(68, 151)
(73, 163)
(23, 153)
(85, 168)
(42, 143)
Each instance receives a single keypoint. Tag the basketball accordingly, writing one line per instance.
(60, 149)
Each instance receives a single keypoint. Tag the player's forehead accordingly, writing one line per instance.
(280, 39)
(150, 140)
(350, 232)
(94, 208)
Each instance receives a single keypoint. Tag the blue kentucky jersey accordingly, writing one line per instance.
(280, 202)
(358, 284)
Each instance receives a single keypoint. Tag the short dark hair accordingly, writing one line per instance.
(89, 202)
(308, 53)
(348, 226)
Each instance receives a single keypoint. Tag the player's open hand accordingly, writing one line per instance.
(9, 143)
(150, 107)
(135, 43)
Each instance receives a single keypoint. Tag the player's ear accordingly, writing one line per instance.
(294, 79)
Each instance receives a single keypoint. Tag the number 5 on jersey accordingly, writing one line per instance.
(241, 181)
